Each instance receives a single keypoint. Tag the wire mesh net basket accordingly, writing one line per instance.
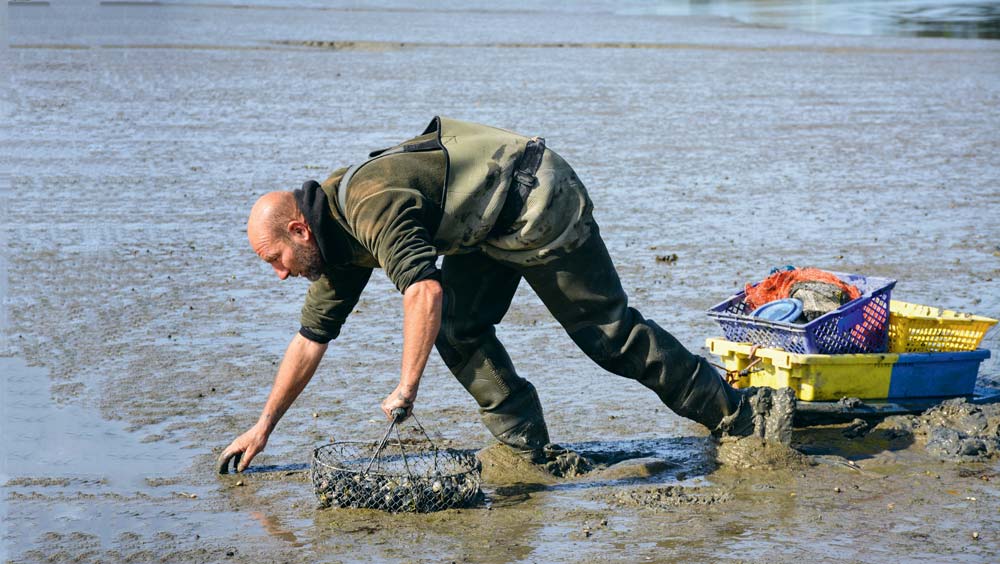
(402, 475)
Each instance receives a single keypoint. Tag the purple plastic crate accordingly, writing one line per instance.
(859, 326)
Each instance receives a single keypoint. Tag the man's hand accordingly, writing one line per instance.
(242, 450)
(399, 397)
(297, 368)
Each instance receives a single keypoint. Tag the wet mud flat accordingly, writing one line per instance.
(142, 334)
(851, 498)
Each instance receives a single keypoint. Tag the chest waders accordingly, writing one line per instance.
(481, 161)
(580, 288)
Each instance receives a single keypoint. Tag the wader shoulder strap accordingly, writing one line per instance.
(342, 189)
(426, 145)
(523, 182)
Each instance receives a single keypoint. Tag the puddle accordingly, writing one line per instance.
(44, 437)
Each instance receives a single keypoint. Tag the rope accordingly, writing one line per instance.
(733, 376)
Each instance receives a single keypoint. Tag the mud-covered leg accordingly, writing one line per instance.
(478, 292)
(583, 291)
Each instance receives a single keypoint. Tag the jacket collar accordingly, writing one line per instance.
(330, 236)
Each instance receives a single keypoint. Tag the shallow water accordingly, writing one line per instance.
(44, 437)
(906, 18)
(138, 137)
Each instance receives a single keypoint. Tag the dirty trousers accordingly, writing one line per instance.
(583, 292)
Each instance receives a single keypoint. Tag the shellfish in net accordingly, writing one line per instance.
(395, 476)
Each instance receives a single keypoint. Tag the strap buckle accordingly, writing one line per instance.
(524, 178)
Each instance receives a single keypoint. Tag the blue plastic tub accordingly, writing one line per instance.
(943, 374)
(859, 326)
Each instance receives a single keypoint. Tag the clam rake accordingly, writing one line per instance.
(395, 476)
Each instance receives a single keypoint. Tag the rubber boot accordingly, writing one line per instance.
(518, 423)
(763, 412)
(708, 399)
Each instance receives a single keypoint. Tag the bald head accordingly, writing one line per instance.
(280, 235)
(271, 216)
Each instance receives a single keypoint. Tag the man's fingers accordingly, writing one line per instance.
(386, 409)
(240, 452)
(222, 463)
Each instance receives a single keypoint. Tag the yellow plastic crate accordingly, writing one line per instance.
(920, 328)
(830, 377)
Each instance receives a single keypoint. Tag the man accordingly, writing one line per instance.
(500, 207)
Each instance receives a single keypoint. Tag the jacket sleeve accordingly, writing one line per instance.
(330, 300)
(392, 225)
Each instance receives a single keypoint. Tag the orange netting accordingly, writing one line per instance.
(778, 285)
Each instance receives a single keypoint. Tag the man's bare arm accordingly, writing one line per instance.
(297, 368)
(421, 322)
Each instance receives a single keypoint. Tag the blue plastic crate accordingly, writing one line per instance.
(859, 326)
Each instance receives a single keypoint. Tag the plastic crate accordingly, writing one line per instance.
(859, 326)
(920, 328)
(821, 377)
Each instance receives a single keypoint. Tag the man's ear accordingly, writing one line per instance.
(299, 230)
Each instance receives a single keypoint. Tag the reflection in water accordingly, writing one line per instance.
(916, 18)
(274, 527)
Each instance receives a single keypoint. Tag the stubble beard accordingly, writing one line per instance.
(310, 261)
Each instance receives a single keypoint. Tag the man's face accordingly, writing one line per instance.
(293, 258)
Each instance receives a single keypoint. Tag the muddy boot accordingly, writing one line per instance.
(765, 413)
(518, 423)
(704, 396)
(565, 463)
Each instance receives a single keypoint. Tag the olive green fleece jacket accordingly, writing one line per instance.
(441, 193)
(403, 209)
(394, 208)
